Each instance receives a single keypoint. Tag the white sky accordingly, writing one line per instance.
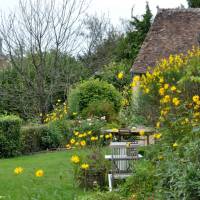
(116, 8)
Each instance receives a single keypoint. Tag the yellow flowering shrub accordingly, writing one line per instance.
(59, 112)
(172, 94)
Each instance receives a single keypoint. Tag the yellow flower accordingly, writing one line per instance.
(158, 125)
(83, 143)
(164, 112)
(196, 107)
(75, 159)
(85, 166)
(89, 132)
(196, 114)
(136, 78)
(101, 136)
(74, 113)
(175, 145)
(195, 98)
(146, 90)
(39, 173)
(173, 88)
(107, 136)
(157, 135)
(141, 132)
(77, 143)
(166, 86)
(166, 99)
(76, 133)
(161, 80)
(72, 141)
(18, 170)
(68, 146)
(176, 101)
(120, 75)
(94, 138)
(161, 91)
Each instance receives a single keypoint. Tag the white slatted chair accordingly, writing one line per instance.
(123, 156)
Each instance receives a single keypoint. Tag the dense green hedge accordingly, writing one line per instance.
(10, 135)
(39, 137)
(91, 91)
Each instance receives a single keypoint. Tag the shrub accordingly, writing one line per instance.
(110, 74)
(101, 108)
(91, 91)
(62, 128)
(142, 182)
(88, 130)
(10, 135)
(103, 196)
(173, 87)
(179, 173)
(39, 137)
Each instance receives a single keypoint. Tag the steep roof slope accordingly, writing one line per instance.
(173, 31)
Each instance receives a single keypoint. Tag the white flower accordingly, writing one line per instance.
(89, 119)
(103, 118)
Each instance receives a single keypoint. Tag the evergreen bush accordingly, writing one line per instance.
(10, 135)
(91, 91)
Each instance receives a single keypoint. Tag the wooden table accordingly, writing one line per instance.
(124, 132)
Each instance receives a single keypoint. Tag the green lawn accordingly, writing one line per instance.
(56, 184)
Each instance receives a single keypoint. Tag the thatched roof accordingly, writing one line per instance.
(173, 31)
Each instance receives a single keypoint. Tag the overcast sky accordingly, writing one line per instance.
(116, 8)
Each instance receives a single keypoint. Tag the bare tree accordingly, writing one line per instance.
(36, 30)
(100, 40)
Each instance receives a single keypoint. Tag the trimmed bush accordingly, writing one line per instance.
(39, 137)
(100, 108)
(10, 135)
(91, 91)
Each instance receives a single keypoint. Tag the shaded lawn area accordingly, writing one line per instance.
(56, 184)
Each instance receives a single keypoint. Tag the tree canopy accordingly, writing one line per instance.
(194, 3)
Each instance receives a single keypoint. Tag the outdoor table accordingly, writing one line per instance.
(120, 133)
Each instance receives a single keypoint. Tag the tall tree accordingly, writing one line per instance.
(32, 33)
(137, 30)
(100, 42)
(194, 3)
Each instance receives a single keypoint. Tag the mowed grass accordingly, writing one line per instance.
(56, 184)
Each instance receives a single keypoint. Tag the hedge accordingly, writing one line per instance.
(39, 137)
(10, 144)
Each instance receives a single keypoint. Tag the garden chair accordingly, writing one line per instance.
(122, 158)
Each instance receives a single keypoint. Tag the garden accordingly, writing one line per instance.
(60, 114)
(168, 168)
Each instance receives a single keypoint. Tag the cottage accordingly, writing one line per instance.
(173, 31)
